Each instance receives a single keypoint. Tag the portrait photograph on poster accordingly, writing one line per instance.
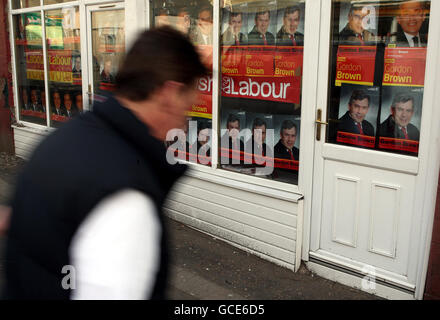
(262, 25)
(400, 119)
(357, 120)
(234, 27)
(358, 23)
(290, 24)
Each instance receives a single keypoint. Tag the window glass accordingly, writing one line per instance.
(260, 110)
(378, 58)
(64, 64)
(29, 63)
(195, 19)
(21, 4)
(108, 47)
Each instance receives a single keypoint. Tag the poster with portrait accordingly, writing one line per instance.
(234, 26)
(364, 19)
(357, 119)
(262, 20)
(290, 24)
(400, 119)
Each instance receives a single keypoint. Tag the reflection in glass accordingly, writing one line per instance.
(64, 63)
(30, 67)
(376, 88)
(108, 47)
(260, 111)
(194, 19)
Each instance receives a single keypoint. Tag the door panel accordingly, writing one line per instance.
(369, 211)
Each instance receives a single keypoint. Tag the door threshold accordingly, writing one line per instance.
(355, 279)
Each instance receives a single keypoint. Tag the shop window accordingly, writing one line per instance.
(64, 64)
(261, 69)
(194, 19)
(378, 58)
(29, 63)
(21, 4)
(45, 2)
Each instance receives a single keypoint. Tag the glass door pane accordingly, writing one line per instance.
(107, 48)
(378, 58)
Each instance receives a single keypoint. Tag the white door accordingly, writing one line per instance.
(366, 183)
(105, 46)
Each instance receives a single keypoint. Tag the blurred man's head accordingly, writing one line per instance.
(235, 22)
(79, 101)
(78, 63)
(411, 16)
(355, 19)
(203, 133)
(262, 20)
(204, 20)
(107, 66)
(291, 19)
(359, 105)
(259, 130)
(233, 125)
(57, 99)
(34, 96)
(158, 78)
(288, 133)
(43, 98)
(183, 20)
(24, 96)
(402, 109)
(68, 101)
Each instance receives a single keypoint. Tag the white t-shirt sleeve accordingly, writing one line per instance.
(116, 250)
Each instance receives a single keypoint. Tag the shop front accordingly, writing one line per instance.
(314, 138)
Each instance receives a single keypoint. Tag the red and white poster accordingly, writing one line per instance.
(262, 73)
(404, 67)
(355, 65)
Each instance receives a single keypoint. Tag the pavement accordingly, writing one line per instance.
(205, 268)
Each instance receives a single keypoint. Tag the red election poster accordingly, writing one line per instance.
(60, 66)
(34, 65)
(404, 67)
(263, 73)
(355, 64)
(203, 107)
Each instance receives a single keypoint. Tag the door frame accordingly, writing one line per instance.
(429, 152)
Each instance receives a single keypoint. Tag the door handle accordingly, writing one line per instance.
(319, 123)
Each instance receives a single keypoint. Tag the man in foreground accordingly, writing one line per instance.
(89, 225)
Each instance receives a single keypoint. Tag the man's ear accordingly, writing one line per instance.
(169, 92)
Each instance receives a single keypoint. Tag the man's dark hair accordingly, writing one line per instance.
(258, 122)
(261, 12)
(359, 95)
(403, 98)
(292, 9)
(235, 14)
(288, 124)
(202, 125)
(158, 55)
(232, 118)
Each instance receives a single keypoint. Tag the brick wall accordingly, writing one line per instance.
(432, 289)
(6, 98)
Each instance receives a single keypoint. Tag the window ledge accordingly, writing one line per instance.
(41, 131)
(247, 183)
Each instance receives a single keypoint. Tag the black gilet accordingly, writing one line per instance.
(70, 172)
